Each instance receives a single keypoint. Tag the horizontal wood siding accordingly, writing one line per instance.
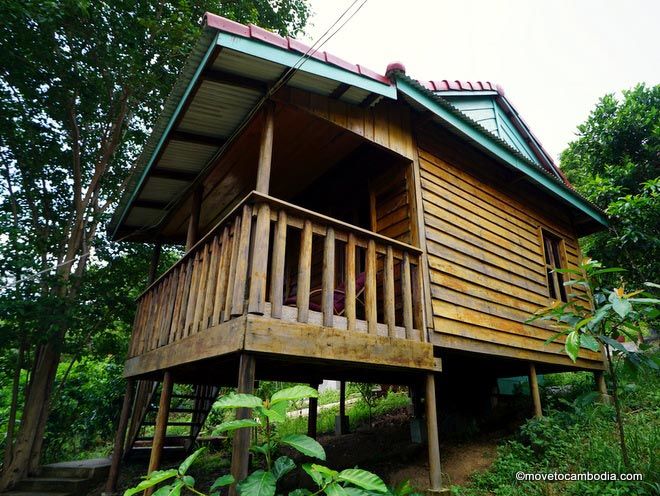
(486, 260)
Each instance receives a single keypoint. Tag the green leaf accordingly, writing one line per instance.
(282, 466)
(258, 483)
(155, 477)
(232, 425)
(273, 414)
(650, 301)
(551, 339)
(183, 468)
(188, 480)
(328, 473)
(223, 480)
(622, 307)
(300, 492)
(313, 473)
(572, 345)
(305, 444)
(335, 489)
(356, 491)
(238, 400)
(363, 479)
(293, 394)
(589, 342)
(164, 491)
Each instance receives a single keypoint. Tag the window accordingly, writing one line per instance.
(553, 260)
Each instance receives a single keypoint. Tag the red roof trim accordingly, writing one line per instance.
(255, 32)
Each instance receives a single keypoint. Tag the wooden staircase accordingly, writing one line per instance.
(188, 411)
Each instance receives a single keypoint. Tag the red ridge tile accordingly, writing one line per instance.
(262, 34)
(227, 25)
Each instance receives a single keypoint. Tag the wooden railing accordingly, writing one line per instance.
(266, 253)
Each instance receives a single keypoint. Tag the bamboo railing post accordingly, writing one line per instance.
(161, 426)
(277, 276)
(304, 272)
(242, 263)
(120, 437)
(534, 390)
(370, 289)
(406, 292)
(241, 444)
(258, 275)
(389, 303)
(350, 283)
(328, 280)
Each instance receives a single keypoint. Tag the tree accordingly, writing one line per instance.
(80, 84)
(601, 320)
(615, 163)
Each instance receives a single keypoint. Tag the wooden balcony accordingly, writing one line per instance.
(275, 279)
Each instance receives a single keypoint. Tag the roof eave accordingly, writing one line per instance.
(466, 127)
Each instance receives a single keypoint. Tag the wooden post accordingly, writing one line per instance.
(259, 269)
(304, 272)
(350, 283)
(312, 413)
(277, 277)
(370, 289)
(153, 267)
(601, 386)
(389, 302)
(341, 421)
(193, 221)
(240, 457)
(435, 474)
(266, 149)
(534, 390)
(118, 450)
(161, 426)
(328, 280)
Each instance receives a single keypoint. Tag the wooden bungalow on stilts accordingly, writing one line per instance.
(338, 224)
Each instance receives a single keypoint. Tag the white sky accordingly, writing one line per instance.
(553, 58)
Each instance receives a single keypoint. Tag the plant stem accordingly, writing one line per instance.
(268, 443)
(617, 409)
(193, 490)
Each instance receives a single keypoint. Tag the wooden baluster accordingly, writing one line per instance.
(304, 272)
(350, 283)
(223, 277)
(212, 277)
(240, 278)
(370, 289)
(232, 269)
(277, 270)
(174, 325)
(328, 281)
(201, 289)
(153, 331)
(388, 300)
(169, 308)
(418, 301)
(183, 310)
(257, 296)
(136, 329)
(145, 319)
(406, 291)
(192, 297)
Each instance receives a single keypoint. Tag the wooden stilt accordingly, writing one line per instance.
(601, 386)
(240, 457)
(435, 474)
(534, 391)
(118, 450)
(266, 149)
(341, 421)
(153, 267)
(312, 414)
(161, 426)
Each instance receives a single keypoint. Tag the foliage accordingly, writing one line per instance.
(615, 162)
(369, 393)
(266, 416)
(579, 436)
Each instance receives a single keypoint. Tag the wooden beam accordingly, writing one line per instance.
(161, 426)
(534, 390)
(266, 149)
(338, 92)
(198, 139)
(241, 444)
(228, 78)
(601, 386)
(120, 437)
(435, 473)
(173, 174)
(369, 100)
(153, 204)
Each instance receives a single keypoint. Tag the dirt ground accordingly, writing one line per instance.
(385, 449)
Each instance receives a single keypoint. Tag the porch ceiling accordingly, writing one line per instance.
(228, 76)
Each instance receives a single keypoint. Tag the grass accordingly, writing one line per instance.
(578, 435)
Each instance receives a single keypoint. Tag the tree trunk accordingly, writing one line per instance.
(26, 451)
(11, 424)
